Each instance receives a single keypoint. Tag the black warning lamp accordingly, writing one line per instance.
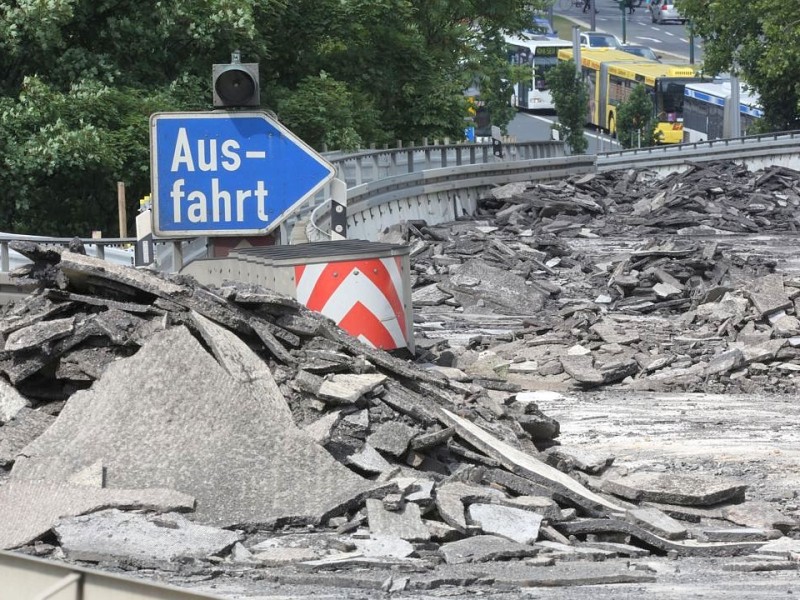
(236, 84)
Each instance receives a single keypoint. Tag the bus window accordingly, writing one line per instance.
(670, 100)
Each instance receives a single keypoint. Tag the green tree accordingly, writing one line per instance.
(79, 79)
(571, 99)
(325, 110)
(636, 121)
(760, 41)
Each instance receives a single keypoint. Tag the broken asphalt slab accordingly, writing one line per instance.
(187, 425)
(31, 509)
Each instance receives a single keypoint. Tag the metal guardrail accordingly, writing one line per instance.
(366, 166)
(437, 195)
(27, 578)
(748, 147)
(455, 164)
(119, 250)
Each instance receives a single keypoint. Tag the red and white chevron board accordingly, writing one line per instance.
(363, 297)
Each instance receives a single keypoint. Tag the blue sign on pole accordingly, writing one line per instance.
(220, 173)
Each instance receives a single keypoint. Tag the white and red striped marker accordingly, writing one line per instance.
(363, 297)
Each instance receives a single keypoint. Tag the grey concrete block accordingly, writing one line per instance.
(405, 524)
(21, 430)
(170, 416)
(38, 334)
(513, 523)
(392, 437)
(484, 548)
(140, 539)
(30, 509)
(760, 515)
(11, 401)
(674, 488)
(656, 521)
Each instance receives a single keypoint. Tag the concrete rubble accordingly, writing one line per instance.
(233, 432)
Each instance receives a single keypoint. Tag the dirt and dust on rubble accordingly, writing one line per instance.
(154, 425)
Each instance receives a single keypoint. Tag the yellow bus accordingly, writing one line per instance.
(611, 75)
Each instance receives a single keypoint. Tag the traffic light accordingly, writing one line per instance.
(236, 84)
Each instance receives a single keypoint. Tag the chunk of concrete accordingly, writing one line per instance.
(581, 369)
(392, 438)
(384, 545)
(451, 498)
(405, 524)
(783, 547)
(580, 459)
(674, 488)
(768, 295)
(348, 388)
(244, 366)
(612, 334)
(516, 524)
(140, 539)
(484, 548)
(18, 432)
(760, 515)
(498, 290)
(565, 552)
(321, 429)
(369, 460)
(529, 466)
(170, 416)
(29, 509)
(542, 505)
(11, 401)
(737, 534)
(656, 521)
(725, 361)
(38, 334)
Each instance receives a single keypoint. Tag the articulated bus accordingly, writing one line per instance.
(541, 54)
(708, 112)
(611, 76)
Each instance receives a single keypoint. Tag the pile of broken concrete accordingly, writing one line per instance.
(149, 422)
(617, 278)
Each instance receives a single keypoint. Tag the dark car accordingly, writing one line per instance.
(639, 50)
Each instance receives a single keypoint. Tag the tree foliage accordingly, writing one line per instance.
(760, 41)
(570, 98)
(79, 79)
(636, 121)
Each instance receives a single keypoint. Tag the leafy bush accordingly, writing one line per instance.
(571, 99)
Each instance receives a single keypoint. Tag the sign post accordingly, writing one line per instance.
(225, 173)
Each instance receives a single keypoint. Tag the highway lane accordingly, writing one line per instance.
(526, 127)
(670, 39)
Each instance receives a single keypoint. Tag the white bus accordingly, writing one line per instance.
(541, 53)
(708, 114)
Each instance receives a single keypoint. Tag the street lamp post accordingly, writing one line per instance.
(622, 9)
(691, 42)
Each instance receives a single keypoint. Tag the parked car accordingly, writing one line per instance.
(541, 26)
(596, 39)
(639, 50)
(662, 11)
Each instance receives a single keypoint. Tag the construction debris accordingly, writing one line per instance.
(297, 454)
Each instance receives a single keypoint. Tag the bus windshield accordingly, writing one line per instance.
(669, 100)
(541, 66)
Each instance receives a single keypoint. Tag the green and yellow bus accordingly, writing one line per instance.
(612, 74)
